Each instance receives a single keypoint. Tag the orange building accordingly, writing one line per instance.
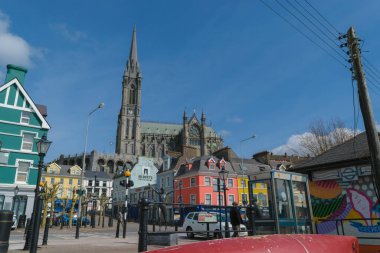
(197, 182)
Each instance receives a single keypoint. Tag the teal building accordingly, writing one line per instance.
(22, 124)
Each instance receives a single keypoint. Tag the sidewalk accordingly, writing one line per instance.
(91, 240)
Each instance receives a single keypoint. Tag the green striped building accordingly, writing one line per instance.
(22, 124)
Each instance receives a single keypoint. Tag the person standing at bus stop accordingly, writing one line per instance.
(235, 218)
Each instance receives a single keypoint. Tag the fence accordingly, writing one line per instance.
(149, 213)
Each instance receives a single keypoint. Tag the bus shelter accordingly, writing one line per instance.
(283, 202)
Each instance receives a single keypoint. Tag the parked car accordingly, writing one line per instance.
(193, 226)
(14, 224)
(66, 217)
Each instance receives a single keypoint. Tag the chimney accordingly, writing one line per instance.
(14, 71)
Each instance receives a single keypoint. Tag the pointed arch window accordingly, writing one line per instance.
(132, 95)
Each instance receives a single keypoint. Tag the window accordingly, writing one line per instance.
(104, 183)
(243, 183)
(25, 117)
(78, 181)
(192, 181)
(230, 183)
(70, 181)
(230, 199)
(52, 180)
(244, 197)
(180, 184)
(215, 184)
(97, 183)
(190, 216)
(61, 181)
(89, 182)
(192, 199)
(2, 200)
(207, 181)
(167, 181)
(195, 216)
(27, 141)
(212, 166)
(22, 171)
(104, 192)
(208, 199)
(42, 179)
(220, 200)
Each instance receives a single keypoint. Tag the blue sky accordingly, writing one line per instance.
(248, 70)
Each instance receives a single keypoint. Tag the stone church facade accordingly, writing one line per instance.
(155, 139)
(135, 138)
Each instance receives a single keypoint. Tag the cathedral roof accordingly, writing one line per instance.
(160, 128)
(149, 127)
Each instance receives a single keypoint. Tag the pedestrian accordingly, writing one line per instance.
(235, 218)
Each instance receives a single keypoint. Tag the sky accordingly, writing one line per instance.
(247, 69)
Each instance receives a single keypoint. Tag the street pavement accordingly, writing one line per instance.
(91, 240)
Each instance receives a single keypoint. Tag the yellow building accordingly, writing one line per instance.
(260, 191)
(68, 176)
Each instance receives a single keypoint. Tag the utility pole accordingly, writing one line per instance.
(365, 106)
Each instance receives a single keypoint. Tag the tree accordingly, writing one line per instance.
(53, 194)
(323, 136)
(102, 203)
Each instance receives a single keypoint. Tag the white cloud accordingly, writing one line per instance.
(13, 48)
(292, 146)
(224, 132)
(69, 34)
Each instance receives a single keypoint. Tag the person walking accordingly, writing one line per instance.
(235, 218)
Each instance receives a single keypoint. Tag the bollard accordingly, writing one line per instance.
(26, 227)
(46, 231)
(117, 229)
(6, 221)
(110, 221)
(36, 226)
(28, 238)
(143, 226)
(93, 219)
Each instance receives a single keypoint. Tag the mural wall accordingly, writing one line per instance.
(346, 193)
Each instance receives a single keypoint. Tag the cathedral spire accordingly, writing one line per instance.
(133, 52)
(133, 68)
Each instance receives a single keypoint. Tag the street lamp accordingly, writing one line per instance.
(42, 148)
(243, 169)
(223, 175)
(81, 190)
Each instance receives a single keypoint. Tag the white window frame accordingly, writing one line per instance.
(27, 173)
(209, 181)
(228, 199)
(25, 142)
(193, 199)
(208, 194)
(25, 117)
(191, 182)
(228, 183)
(220, 198)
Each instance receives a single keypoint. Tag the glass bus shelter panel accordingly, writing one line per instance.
(261, 198)
(284, 204)
(301, 206)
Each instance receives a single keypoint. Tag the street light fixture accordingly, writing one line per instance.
(81, 190)
(42, 148)
(223, 175)
(244, 169)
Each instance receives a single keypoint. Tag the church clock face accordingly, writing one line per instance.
(130, 112)
(194, 131)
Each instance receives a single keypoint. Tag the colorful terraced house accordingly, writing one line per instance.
(22, 124)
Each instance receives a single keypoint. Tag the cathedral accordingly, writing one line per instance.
(155, 139)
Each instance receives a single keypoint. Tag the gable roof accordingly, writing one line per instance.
(352, 152)
(21, 89)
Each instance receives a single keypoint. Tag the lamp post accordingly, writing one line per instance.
(81, 190)
(242, 167)
(42, 147)
(223, 175)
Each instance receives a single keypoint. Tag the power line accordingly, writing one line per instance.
(311, 30)
(304, 34)
(333, 34)
(370, 65)
(325, 19)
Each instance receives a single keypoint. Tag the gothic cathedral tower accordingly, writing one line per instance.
(128, 137)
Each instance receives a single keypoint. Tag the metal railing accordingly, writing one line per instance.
(145, 206)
